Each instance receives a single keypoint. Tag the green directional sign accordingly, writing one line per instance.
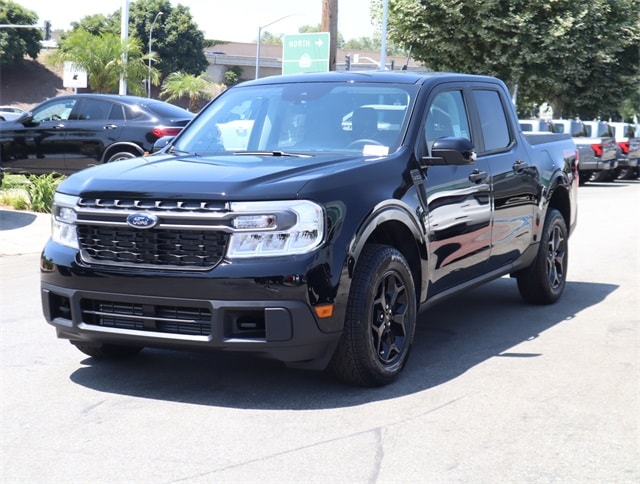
(305, 53)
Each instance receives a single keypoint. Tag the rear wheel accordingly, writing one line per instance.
(107, 351)
(604, 176)
(544, 281)
(628, 173)
(122, 155)
(584, 177)
(380, 321)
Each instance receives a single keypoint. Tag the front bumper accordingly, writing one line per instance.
(259, 315)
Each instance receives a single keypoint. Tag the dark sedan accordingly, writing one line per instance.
(68, 133)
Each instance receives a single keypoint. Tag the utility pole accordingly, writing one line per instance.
(330, 24)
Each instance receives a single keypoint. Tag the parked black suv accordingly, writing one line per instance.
(67, 133)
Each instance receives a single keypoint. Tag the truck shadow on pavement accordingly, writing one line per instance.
(13, 219)
(451, 338)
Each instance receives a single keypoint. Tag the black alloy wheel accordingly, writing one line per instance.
(545, 280)
(381, 317)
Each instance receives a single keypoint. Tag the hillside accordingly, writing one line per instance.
(29, 83)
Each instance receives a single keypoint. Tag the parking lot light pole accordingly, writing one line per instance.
(260, 41)
(150, 42)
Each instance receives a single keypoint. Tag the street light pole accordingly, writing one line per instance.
(260, 41)
(150, 42)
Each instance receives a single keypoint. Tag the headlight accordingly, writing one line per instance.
(264, 229)
(63, 226)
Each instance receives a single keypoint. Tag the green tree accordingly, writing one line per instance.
(232, 76)
(177, 43)
(268, 38)
(99, 24)
(101, 56)
(181, 85)
(176, 38)
(578, 55)
(15, 43)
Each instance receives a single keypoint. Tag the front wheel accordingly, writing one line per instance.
(380, 321)
(544, 281)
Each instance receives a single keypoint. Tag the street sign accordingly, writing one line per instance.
(73, 76)
(305, 53)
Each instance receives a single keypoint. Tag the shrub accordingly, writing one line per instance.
(41, 190)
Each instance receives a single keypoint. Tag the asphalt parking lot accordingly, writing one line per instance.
(495, 390)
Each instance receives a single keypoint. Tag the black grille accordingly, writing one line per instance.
(198, 249)
(145, 317)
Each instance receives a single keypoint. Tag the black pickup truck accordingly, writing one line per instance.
(307, 217)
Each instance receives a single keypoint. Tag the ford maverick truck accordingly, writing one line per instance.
(307, 218)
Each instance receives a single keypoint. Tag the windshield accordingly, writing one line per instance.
(302, 118)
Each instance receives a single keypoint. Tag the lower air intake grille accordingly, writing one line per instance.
(144, 317)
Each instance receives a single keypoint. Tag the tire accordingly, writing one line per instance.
(629, 174)
(108, 351)
(584, 177)
(380, 320)
(122, 155)
(544, 281)
(603, 176)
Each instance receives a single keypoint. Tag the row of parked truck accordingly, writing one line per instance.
(607, 150)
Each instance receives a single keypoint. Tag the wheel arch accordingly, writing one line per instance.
(394, 225)
(119, 147)
(559, 198)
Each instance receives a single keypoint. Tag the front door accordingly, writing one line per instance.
(39, 145)
(458, 201)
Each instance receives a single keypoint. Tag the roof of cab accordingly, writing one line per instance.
(397, 77)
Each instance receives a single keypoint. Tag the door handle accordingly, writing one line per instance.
(519, 166)
(109, 126)
(477, 176)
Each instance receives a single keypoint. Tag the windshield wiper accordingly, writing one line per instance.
(173, 151)
(270, 153)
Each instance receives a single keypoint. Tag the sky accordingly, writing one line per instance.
(231, 20)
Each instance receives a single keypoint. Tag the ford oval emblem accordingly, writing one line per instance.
(142, 220)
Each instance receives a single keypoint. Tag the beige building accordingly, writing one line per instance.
(225, 56)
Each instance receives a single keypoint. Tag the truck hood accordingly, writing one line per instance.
(240, 177)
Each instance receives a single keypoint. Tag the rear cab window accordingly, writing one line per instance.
(494, 123)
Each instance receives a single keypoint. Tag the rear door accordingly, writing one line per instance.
(458, 198)
(94, 125)
(514, 177)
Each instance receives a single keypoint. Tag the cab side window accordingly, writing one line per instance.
(447, 116)
(493, 119)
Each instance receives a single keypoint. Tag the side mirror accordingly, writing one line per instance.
(161, 143)
(25, 118)
(451, 150)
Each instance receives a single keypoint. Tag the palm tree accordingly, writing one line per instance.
(180, 85)
(102, 57)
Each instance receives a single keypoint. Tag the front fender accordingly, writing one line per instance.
(396, 224)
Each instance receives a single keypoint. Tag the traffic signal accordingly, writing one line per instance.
(347, 62)
(47, 30)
